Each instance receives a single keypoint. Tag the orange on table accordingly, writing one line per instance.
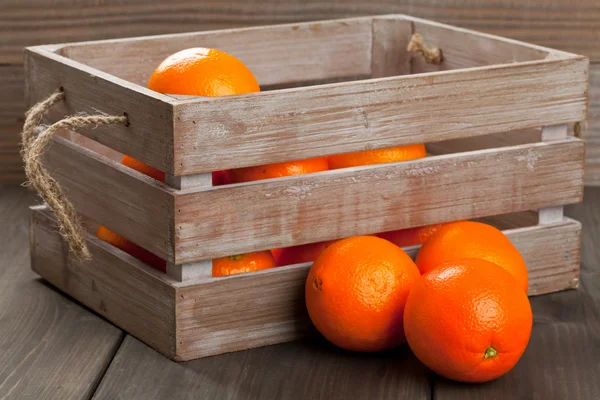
(411, 236)
(277, 170)
(299, 254)
(238, 264)
(380, 156)
(131, 248)
(356, 291)
(468, 239)
(198, 72)
(467, 320)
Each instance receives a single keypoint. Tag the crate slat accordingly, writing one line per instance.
(280, 54)
(114, 284)
(335, 204)
(123, 200)
(320, 120)
(148, 138)
(268, 306)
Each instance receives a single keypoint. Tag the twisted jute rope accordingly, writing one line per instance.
(33, 147)
(432, 55)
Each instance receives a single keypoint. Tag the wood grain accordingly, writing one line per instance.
(353, 116)
(52, 348)
(120, 198)
(559, 23)
(117, 286)
(335, 204)
(292, 53)
(388, 51)
(148, 137)
(306, 369)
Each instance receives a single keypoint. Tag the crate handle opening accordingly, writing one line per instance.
(35, 140)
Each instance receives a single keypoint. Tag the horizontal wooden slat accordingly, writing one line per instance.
(114, 284)
(260, 128)
(148, 138)
(303, 209)
(275, 54)
(127, 202)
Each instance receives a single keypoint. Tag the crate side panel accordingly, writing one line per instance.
(462, 48)
(149, 136)
(268, 307)
(275, 54)
(321, 120)
(125, 201)
(335, 204)
(116, 286)
(238, 313)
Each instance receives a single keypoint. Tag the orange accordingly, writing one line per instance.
(356, 291)
(143, 168)
(380, 156)
(202, 72)
(131, 248)
(467, 239)
(277, 170)
(299, 254)
(467, 320)
(238, 264)
(410, 236)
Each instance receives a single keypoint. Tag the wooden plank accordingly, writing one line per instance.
(335, 204)
(379, 113)
(553, 23)
(12, 102)
(52, 348)
(502, 139)
(287, 53)
(462, 48)
(268, 308)
(114, 284)
(390, 39)
(148, 137)
(307, 369)
(125, 201)
(592, 173)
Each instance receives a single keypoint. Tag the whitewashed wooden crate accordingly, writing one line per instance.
(495, 115)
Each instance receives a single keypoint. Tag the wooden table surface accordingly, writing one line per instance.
(53, 348)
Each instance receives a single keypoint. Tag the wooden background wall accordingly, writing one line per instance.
(571, 25)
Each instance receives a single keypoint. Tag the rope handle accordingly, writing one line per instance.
(33, 147)
(432, 55)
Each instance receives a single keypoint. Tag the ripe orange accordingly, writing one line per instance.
(467, 320)
(299, 254)
(380, 156)
(203, 72)
(410, 236)
(356, 291)
(277, 170)
(131, 248)
(241, 263)
(143, 168)
(467, 239)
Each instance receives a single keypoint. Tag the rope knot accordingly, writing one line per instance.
(432, 55)
(35, 141)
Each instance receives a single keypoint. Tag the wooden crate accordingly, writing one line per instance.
(328, 87)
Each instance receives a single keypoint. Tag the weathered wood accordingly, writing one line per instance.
(275, 54)
(379, 113)
(149, 136)
(52, 348)
(462, 48)
(125, 201)
(307, 369)
(114, 284)
(296, 210)
(502, 139)
(388, 53)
